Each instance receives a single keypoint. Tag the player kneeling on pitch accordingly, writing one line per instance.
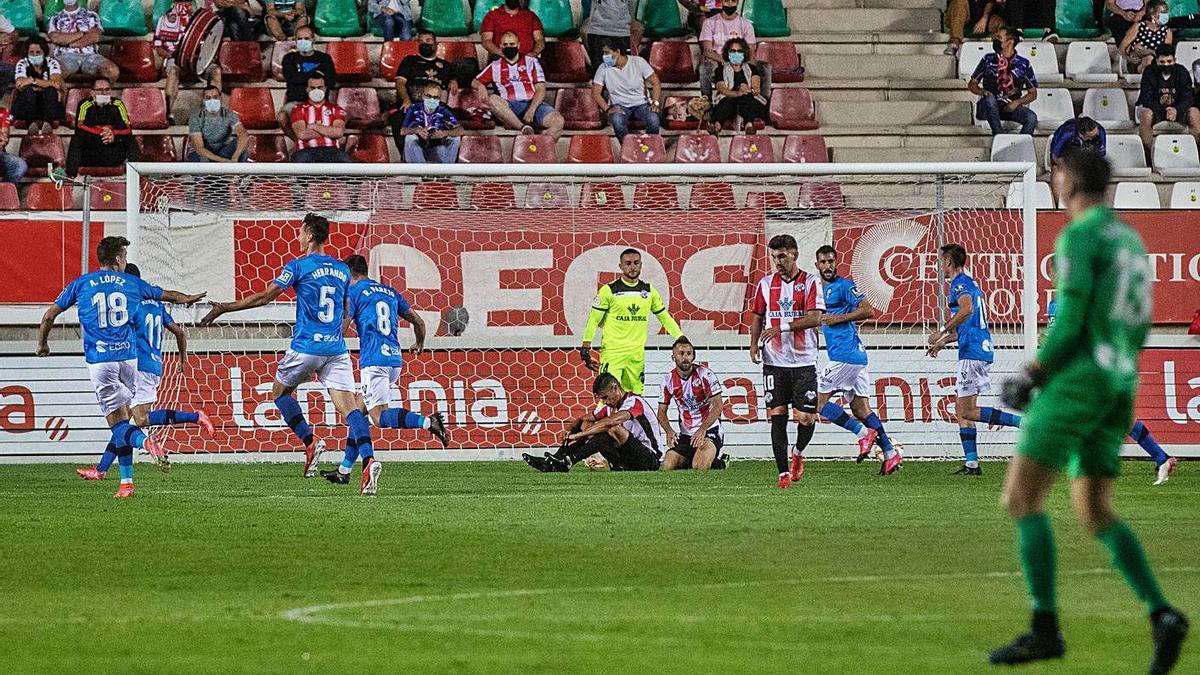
(696, 391)
(621, 429)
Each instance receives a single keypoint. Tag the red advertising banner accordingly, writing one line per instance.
(45, 256)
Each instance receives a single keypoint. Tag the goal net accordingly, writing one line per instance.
(502, 263)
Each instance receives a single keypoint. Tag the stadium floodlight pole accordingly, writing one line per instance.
(1031, 266)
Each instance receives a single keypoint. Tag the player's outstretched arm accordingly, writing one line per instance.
(181, 343)
(659, 308)
(263, 297)
(43, 346)
(180, 298)
(418, 326)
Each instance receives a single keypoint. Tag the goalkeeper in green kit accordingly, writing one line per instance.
(1079, 393)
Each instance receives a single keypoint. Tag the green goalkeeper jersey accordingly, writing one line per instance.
(624, 310)
(1103, 300)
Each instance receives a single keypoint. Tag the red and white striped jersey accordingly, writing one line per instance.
(642, 423)
(691, 395)
(780, 300)
(171, 27)
(317, 113)
(514, 80)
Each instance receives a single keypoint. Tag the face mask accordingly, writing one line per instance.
(736, 58)
(512, 4)
(432, 104)
(212, 105)
(996, 46)
(729, 11)
(510, 53)
(1165, 71)
(304, 45)
(426, 50)
(316, 95)
(609, 60)
(36, 59)
(1163, 19)
(70, 3)
(103, 99)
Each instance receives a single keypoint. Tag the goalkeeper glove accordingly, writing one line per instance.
(1018, 389)
(585, 355)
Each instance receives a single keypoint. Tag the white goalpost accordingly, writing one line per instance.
(502, 263)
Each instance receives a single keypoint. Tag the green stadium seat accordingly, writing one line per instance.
(49, 9)
(20, 13)
(1184, 8)
(557, 18)
(482, 7)
(124, 18)
(446, 18)
(768, 17)
(1076, 19)
(661, 18)
(337, 18)
(160, 7)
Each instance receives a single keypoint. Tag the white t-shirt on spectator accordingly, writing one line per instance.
(720, 30)
(626, 86)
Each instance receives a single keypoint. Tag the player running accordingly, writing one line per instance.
(623, 309)
(847, 369)
(789, 303)
(375, 309)
(696, 392)
(318, 346)
(1082, 385)
(968, 325)
(149, 319)
(108, 300)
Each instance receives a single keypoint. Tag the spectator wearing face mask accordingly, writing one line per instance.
(419, 70)
(1005, 83)
(520, 90)
(168, 33)
(38, 100)
(430, 130)
(318, 127)
(298, 67)
(737, 93)
(216, 132)
(1166, 95)
(102, 134)
(1143, 38)
(1080, 133)
(716, 32)
(626, 77)
(511, 17)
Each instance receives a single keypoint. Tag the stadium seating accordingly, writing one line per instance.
(578, 109)
(1184, 8)
(558, 20)
(784, 60)
(337, 18)
(1176, 155)
(446, 18)
(590, 149)
(1186, 53)
(1042, 199)
(1108, 107)
(435, 194)
(1053, 107)
(240, 62)
(709, 195)
(267, 148)
(805, 149)
(820, 195)
(1013, 148)
(49, 197)
(480, 150)
(135, 59)
(1136, 196)
(969, 56)
(1076, 19)
(674, 116)
(254, 106)
(40, 151)
(281, 48)
(350, 60)
(547, 196)
(602, 196)
(326, 195)
(472, 111)
(458, 50)
(643, 149)
(368, 148)
(147, 107)
(1185, 195)
(489, 196)
(697, 148)
(565, 62)
(101, 170)
(766, 200)
(672, 60)
(1043, 57)
(392, 54)
(655, 196)
(9, 201)
(1089, 62)
(768, 16)
(754, 149)
(793, 109)
(21, 14)
(1124, 74)
(108, 196)
(156, 147)
(270, 195)
(660, 19)
(123, 18)
(75, 96)
(536, 149)
(361, 105)
(1127, 156)
(376, 195)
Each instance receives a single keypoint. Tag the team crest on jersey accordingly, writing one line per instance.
(633, 310)
(645, 294)
(285, 277)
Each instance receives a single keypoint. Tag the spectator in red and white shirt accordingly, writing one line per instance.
(13, 166)
(319, 127)
(696, 392)
(167, 33)
(74, 32)
(511, 17)
(519, 87)
(716, 31)
(787, 315)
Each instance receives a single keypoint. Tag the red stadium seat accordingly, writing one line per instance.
(361, 105)
(368, 148)
(350, 60)
(655, 196)
(745, 149)
(480, 150)
(491, 196)
(675, 116)
(157, 148)
(392, 54)
(108, 196)
(269, 148)
(590, 149)
(224, 190)
(821, 196)
(147, 107)
(643, 149)
(102, 170)
(281, 48)
(471, 110)
(241, 62)
(697, 149)
(536, 149)
(255, 106)
(435, 194)
(565, 62)
(547, 196)
(785, 62)
(766, 200)
(270, 195)
(41, 151)
(327, 195)
(75, 96)
(578, 110)
(458, 50)
(47, 197)
(9, 201)
(805, 149)
(602, 196)
(135, 58)
(672, 60)
(793, 109)
(711, 196)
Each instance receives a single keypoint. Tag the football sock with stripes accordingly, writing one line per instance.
(968, 436)
(290, 410)
(836, 414)
(125, 464)
(779, 441)
(107, 459)
(1035, 549)
(360, 434)
(1142, 436)
(349, 458)
(126, 435)
(166, 417)
(999, 418)
(400, 418)
(1129, 558)
(881, 437)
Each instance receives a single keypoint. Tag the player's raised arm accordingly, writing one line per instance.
(263, 297)
(418, 326)
(181, 298)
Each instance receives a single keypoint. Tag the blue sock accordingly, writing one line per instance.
(290, 410)
(881, 437)
(125, 464)
(1142, 435)
(125, 435)
(997, 417)
(968, 435)
(360, 434)
(400, 418)
(836, 414)
(162, 418)
(107, 459)
(350, 457)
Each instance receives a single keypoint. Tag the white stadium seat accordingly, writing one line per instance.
(1185, 195)
(1089, 62)
(1187, 53)
(969, 55)
(1013, 148)
(1136, 196)
(1127, 156)
(1053, 107)
(1131, 78)
(1042, 198)
(1176, 155)
(1109, 107)
(1044, 60)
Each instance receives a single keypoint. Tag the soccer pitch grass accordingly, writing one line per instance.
(491, 567)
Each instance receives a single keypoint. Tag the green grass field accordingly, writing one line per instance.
(494, 568)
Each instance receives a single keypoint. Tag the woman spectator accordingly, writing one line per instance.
(38, 99)
(737, 92)
(1123, 14)
(1146, 36)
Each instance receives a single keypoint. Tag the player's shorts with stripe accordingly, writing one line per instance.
(1075, 425)
(795, 386)
(683, 444)
(113, 383)
(974, 378)
(334, 372)
(377, 384)
(629, 369)
(145, 388)
(851, 379)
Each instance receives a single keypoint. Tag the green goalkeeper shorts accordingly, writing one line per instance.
(1077, 427)
(629, 369)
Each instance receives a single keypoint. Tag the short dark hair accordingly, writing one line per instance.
(682, 340)
(212, 87)
(631, 251)
(316, 76)
(133, 270)
(1164, 49)
(956, 253)
(613, 44)
(98, 80)
(109, 248)
(783, 241)
(604, 382)
(1085, 124)
(426, 31)
(827, 250)
(735, 41)
(1089, 171)
(318, 226)
(358, 265)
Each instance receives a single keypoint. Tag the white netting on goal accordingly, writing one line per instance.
(504, 269)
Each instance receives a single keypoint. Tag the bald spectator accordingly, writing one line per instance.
(74, 32)
(519, 87)
(298, 66)
(512, 17)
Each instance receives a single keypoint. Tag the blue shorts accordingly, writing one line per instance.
(519, 109)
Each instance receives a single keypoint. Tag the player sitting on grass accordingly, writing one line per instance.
(620, 428)
(376, 309)
(696, 392)
(847, 368)
(107, 301)
(1079, 394)
(318, 346)
(149, 319)
(968, 325)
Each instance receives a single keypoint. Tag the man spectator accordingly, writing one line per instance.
(298, 67)
(419, 70)
(167, 33)
(74, 32)
(611, 20)
(626, 77)
(102, 133)
(1078, 133)
(429, 129)
(393, 18)
(318, 127)
(38, 100)
(282, 18)
(1005, 83)
(521, 90)
(718, 30)
(1166, 96)
(14, 167)
(512, 18)
(239, 26)
(216, 132)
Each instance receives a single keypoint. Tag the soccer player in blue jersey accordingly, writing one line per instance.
(318, 347)
(968, 325)
(846, 371)
(375, 309)
(149, 320)
(107, 301)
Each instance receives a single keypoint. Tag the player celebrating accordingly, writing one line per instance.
(968, 324)
(318, 346)
(790, 304)
(1087, 376)
(847, 369)
(149, 320)
(623, 309)
(696, 391)
(107, 300)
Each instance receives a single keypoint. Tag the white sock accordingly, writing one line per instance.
(427, 423)
(862, 432)
(344, 470)
(888, 454)
(972, 465)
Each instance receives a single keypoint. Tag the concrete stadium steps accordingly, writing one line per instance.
(879, 66)
(893, 113)
(865, 20)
